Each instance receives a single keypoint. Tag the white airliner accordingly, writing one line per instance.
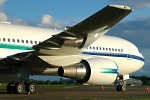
(82, 52)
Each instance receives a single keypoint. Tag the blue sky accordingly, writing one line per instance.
(60, 13)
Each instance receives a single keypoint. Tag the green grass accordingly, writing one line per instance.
(113, 99)
(3, 86)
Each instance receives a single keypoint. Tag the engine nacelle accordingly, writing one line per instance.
(94, 71)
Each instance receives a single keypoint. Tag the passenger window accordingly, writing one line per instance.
(93, 48)
(97, 48)
(22, 41)
(31, 42)
(26, 41)
(106, 49)
(109, 49)
(103, 48)
(118, 50)
(112, 49)
(100, 48)
(121, 50)
(13, 40)
(4, 39)
(90, 47)
(18, 40)
(35, 42)
(8, 39)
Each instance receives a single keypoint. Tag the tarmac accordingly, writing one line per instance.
(83, 92)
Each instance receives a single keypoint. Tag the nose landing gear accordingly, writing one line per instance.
(122, 84)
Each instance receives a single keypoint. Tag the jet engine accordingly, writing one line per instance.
(94, 71)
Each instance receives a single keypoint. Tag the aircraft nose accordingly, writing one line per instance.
(142, 61)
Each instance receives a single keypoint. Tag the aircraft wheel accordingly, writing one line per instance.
(19, 88)
(31, 87)
(9, 88)
(123, 88)
(119, 87)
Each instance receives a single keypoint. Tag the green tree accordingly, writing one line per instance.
(47, 82)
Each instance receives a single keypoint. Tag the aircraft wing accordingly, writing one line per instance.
(71, 41)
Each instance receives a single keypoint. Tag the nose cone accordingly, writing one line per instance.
(142, 61)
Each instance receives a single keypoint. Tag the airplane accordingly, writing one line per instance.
(81, 52)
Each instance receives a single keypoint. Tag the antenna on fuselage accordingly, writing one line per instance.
(3, 22)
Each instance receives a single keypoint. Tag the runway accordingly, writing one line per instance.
(83, 92)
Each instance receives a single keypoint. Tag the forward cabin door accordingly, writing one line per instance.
(129, 52)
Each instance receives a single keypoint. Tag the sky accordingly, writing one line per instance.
(60, 13)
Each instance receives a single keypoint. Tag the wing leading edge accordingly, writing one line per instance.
(70, 42)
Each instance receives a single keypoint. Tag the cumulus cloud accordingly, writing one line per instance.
(135, 4)
(1, 5)
(47, 21)
(18, 21)
(44, 21)
(3, 17)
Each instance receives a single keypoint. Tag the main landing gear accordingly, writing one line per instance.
(20, 88)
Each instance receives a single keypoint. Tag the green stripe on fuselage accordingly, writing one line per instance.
(14, 46)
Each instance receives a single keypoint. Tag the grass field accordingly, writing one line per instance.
(3, 86)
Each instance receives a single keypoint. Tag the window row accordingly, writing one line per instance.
(105, 49)
(19, 41)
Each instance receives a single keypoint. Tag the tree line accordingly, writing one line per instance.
(48, 82)
(145, 80)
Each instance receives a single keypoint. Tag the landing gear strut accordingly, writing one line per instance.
(121, 86)
(20, 88)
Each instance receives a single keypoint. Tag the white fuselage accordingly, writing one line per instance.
(16, 39)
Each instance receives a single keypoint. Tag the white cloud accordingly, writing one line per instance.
(47, 21)
(3, 17)
(1, 5)
(135, 4)
(18, 21)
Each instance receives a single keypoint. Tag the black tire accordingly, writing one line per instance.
(119, 87)
(9, 88)
(19, 88)
(31, 87)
